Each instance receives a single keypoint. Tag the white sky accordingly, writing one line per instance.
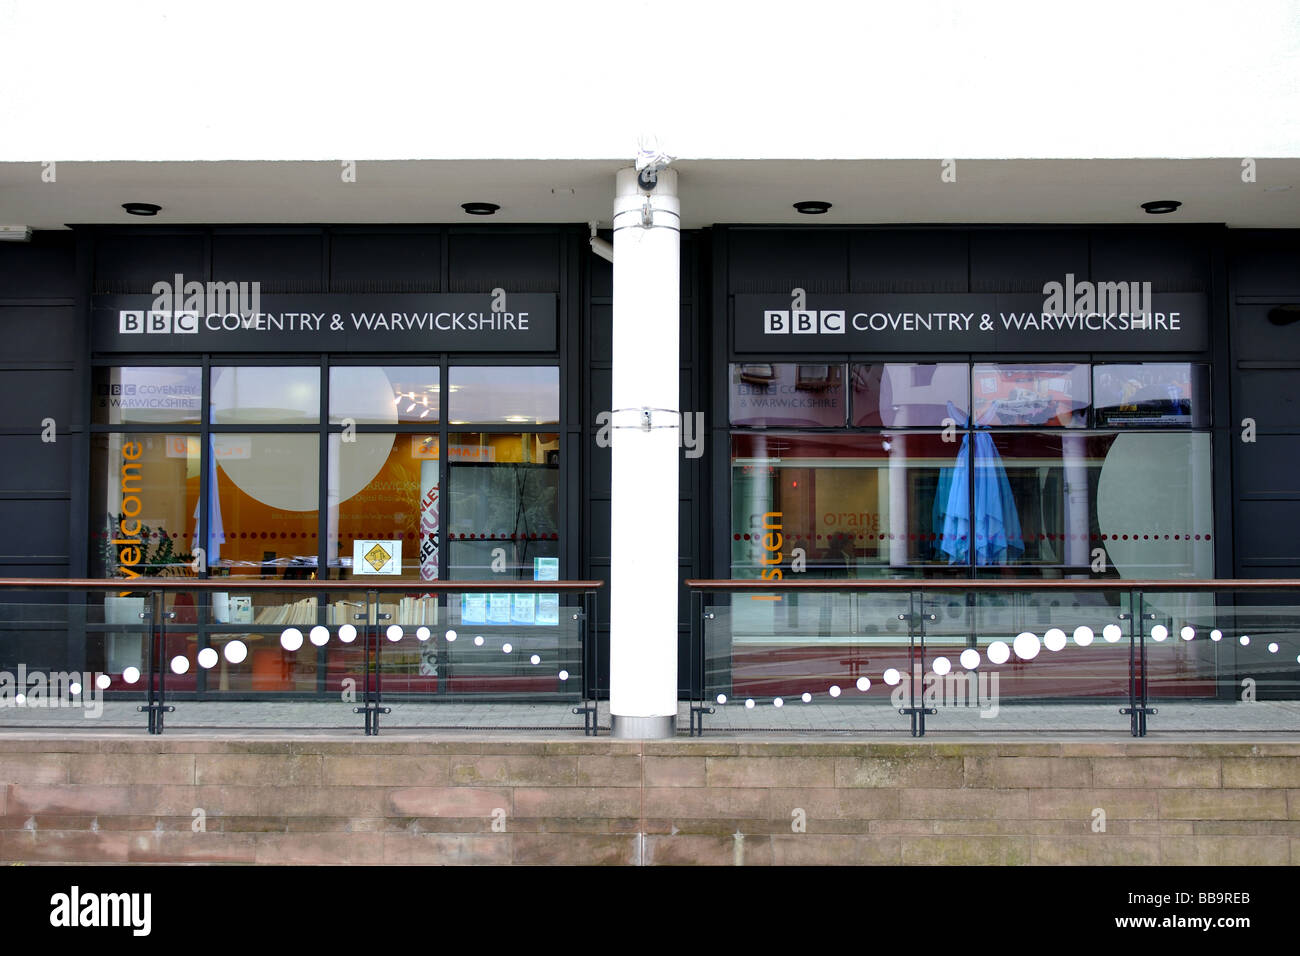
(386, 79)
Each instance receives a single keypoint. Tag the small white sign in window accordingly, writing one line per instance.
(377, 557)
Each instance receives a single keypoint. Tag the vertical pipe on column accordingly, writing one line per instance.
(644, 464)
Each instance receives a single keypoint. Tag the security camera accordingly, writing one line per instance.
(649, 160)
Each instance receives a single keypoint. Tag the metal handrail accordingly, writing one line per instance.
(226, 583)
(996, 584)
(156, 617)
(1138, 709)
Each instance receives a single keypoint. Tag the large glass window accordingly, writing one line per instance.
(1050, 395)
(1041, 502)
(910, 394)
(1041, 478)
(384, 486)
(265, 504)
(294, 484)
(265, 395)
(852, 505)
(385, 395)
(796, 396)
(511, 395)
(144, 516)
(147, 395)
(1152, 395)
(503, 501)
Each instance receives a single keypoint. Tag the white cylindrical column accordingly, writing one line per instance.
(643, 481)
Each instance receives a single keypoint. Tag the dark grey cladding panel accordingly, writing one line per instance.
(1266, 532)
(35, 650)
(42, 268)
(36, 531)
(1014, 260)
(1267, 467)
(600, 460)
(1265, 263)
(1171, 262)
(779, 260)
(28, 396)
(42, 335)
(282, 263)
(601, 391)
(32, 465)
(1272, 398)
(909, 261)
(133, 263)
(39, 607)
(375, 262)
(517, 262)
(1271, 569)
(602, 333)
(602, 272)
(598, 523)
(1261, 340)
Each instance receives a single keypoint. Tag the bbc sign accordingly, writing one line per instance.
(157, 323)
(803, 322)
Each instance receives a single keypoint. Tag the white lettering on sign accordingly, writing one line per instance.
(803, 322)
(163, 322)
(778, 322)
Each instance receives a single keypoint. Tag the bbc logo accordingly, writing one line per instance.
(163, 323)
(803, 322)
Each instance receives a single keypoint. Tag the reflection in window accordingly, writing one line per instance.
(804, 396)
(385, 395)
(503, 503)
(512, 395)
(147, 395)
(901, 394)
(265, 395)
(866, 504)
(1153, 394)
(1048, 395)
(855, 505)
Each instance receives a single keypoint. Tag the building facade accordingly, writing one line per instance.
(857, 402)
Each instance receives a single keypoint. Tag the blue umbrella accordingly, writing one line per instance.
(997, 532)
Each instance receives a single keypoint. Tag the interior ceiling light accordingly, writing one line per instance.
(812, 207)
(142, 208)
(480, 208)
(1158, 207)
